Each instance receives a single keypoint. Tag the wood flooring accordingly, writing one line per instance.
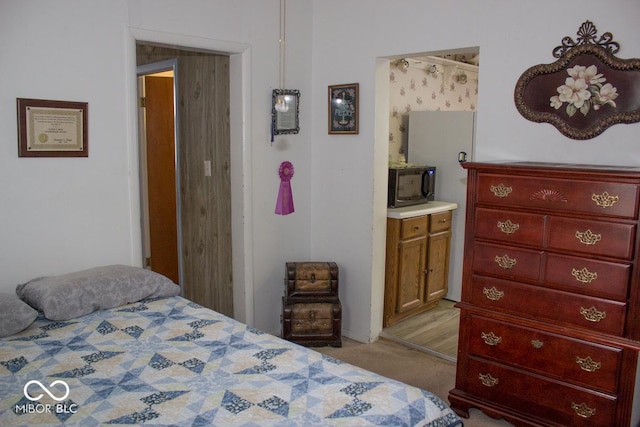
(435, 331)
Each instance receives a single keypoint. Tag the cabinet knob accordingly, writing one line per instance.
(588, 237)
(508, 227)
(584, 275)
(588, 364)
(501, 190)
(604, 200)
(493, 294)
(582, 410)
(592, 314)
(491, 338)
(487, 380)
(505, 262)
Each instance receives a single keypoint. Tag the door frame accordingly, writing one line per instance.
(241, 156)
(141, 72)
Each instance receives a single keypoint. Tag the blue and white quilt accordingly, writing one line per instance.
(168, 362)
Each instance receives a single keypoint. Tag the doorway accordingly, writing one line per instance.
(202, 170)
(443, 83)
(158, 159)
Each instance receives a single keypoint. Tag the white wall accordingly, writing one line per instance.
(347, 212)
(61, 215)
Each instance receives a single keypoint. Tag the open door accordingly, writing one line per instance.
(158, 142)
(201, 162)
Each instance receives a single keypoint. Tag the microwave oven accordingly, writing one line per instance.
(411, 185)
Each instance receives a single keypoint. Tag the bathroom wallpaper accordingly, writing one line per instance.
(415, 89)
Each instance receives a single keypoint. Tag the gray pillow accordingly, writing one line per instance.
(77, 294)
(15, 315)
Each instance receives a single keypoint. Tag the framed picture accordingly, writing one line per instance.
(587, 90)
(343, 109)
(285, 105)
(52, 128)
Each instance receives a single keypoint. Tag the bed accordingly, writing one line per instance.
(163, 360)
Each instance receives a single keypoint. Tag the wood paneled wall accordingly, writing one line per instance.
(205, 201)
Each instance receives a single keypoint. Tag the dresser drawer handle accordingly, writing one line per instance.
(491, 338)
(493, 294)
(588, 238)
(604, 200)
(488, 380)
(584, 275)
(500, 190)
(505, 262)
(582, 410)
(508, 227)
(537, 343)
(588, 364)
(442, 220)
(592, 314)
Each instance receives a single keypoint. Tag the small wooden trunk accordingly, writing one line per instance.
(313, 324)
(311, 279)
(312, 313)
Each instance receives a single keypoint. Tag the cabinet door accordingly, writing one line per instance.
(411, 278)
(438, 265)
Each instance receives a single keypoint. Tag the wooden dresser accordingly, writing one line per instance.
(550, 310)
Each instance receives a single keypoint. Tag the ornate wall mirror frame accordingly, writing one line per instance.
(285, 122)
(586, 90)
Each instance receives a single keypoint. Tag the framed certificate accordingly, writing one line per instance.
(52, 128)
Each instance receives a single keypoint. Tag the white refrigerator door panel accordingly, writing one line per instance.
(435, 139)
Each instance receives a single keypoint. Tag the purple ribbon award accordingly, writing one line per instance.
(284, 204)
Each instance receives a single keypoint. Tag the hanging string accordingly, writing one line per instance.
(280, 101)
(283, 22)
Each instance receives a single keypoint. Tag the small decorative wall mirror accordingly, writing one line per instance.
(586, 90)
(284, 111)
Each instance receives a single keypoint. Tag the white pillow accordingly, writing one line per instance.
(77, 294)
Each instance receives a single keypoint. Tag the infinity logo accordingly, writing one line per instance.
(46, 390)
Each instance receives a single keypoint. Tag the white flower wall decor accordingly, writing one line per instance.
(583, 89)
(599, 90)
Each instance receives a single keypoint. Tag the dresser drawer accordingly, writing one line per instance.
(507, 261)
(591, 197)
(510, 226)
(542, 303)
(592, 237)
(558, 402)
(588, 276)
(414, 227)
(567, 359)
